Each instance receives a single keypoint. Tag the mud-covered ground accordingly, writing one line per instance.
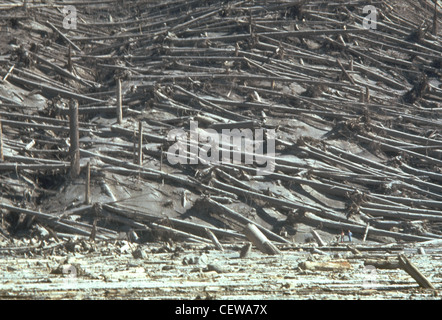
(120, 270)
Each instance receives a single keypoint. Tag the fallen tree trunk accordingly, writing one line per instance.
(142, 216)
(225, 210)
(27, 166)
(411, 269)
(336, 265)
(46, 89)
(50, 220)
(260, 240)
(318, 239)
(125, 167)
(382, 263)
(311, 218)
(214, 239)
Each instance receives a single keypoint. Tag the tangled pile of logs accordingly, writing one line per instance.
(356, 111)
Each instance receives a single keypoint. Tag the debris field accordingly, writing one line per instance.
(106, 194)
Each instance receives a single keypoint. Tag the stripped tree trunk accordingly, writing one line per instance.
(260, 240)
(74, 139)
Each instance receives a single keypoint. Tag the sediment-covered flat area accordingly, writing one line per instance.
(162, 272)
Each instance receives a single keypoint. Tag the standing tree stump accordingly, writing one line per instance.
(74, 149)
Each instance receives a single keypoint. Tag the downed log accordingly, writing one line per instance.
(210, 79)
(275, 35)
(50, 220)
(63, 36)
(180, 233)
(414, 272)
(401, 215)
(47, 89)
(382, 263)
(347, 75)
(127, 168)
(318, 239)
(214, 239)
(30, 248)
(61, 71)
(312, 218)
(260, 240)
(334, 265)
(130, 134)
(389, 147)
(34, 167)
(225, 210)
(353, 250)
(136, 215)
(21, 124)
(233, 115)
